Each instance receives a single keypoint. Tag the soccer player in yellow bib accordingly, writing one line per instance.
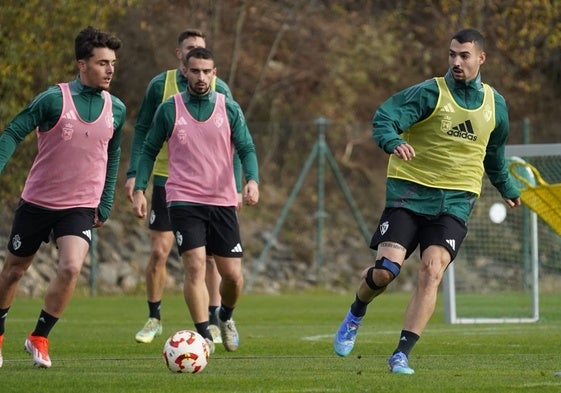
(161, 87)
(441, 135)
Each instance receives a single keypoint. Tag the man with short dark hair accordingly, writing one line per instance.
(202, 128)
(442, 135)
(160, 88)
(70, 187)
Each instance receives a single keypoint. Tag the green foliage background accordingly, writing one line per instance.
(37, 41)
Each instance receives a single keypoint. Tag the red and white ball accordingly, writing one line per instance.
(186, 351)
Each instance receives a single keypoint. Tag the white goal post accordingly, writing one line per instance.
(499, 260)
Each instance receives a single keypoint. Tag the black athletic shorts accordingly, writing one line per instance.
(410, 229)
(159, 215)
(33, 225)
(215, 227)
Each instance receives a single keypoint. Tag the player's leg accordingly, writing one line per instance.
(196, 295)
(231, 289)
(29, 229)
(72, 254)
(440, 240)
(225, 243)
(394, 239)
(213, 279)
(421, 306)
(161, 242)
(195, 291)
(13, 269)
(190, 228)
(155, 276)
(72, 235)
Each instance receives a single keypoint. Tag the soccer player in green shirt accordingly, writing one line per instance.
(70, 187)
(161, 87)
(442, 135)
(203, 129)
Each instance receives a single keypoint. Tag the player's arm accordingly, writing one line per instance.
(113, 160)
(495, 163)
(238, 178)
(160, 130)
(399, 112)
(152, 98)
(245, 148)
(43, 112)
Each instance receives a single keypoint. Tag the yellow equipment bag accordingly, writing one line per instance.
(542, 198)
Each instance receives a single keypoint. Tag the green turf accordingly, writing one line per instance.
(285, 347)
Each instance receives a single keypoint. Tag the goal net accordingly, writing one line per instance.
(495, 277)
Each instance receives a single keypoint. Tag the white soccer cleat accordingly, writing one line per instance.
(151, 329)
(230, 337)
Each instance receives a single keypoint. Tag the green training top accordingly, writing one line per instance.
(401, 112)
(44, 112)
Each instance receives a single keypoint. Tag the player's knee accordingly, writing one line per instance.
(382, 273)
(68, 271)
(159, 255)
(232, 278)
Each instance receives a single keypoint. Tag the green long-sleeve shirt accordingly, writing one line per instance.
(152, 99)
(414, 104)
(44, 112)
(201, 108)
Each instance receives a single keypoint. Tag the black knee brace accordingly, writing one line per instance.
(385, 264)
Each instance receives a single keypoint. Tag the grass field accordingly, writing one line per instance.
(285, 347)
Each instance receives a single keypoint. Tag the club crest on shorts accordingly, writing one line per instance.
(179, 238)
(384, 227)
(16, 242)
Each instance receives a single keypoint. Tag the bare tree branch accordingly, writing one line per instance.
(236, 47)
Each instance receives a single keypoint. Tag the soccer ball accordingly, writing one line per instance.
(186, 351)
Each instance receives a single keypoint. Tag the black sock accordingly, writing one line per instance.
(3, 316)
(212, 318)
(358, 308)
(44, 324)
(202, 329)
(154, 309)
(407, 340)
(225, 313)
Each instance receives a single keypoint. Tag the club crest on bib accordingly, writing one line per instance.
(182, 136)
(487, 113)
(109, 120)
(67, 131)
(445, 124)
(218, 121)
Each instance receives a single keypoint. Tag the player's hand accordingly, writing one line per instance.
(514, 202)
(251, 193)
(97, 223)
(139, 204)
(404, 151)
(129, 187)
